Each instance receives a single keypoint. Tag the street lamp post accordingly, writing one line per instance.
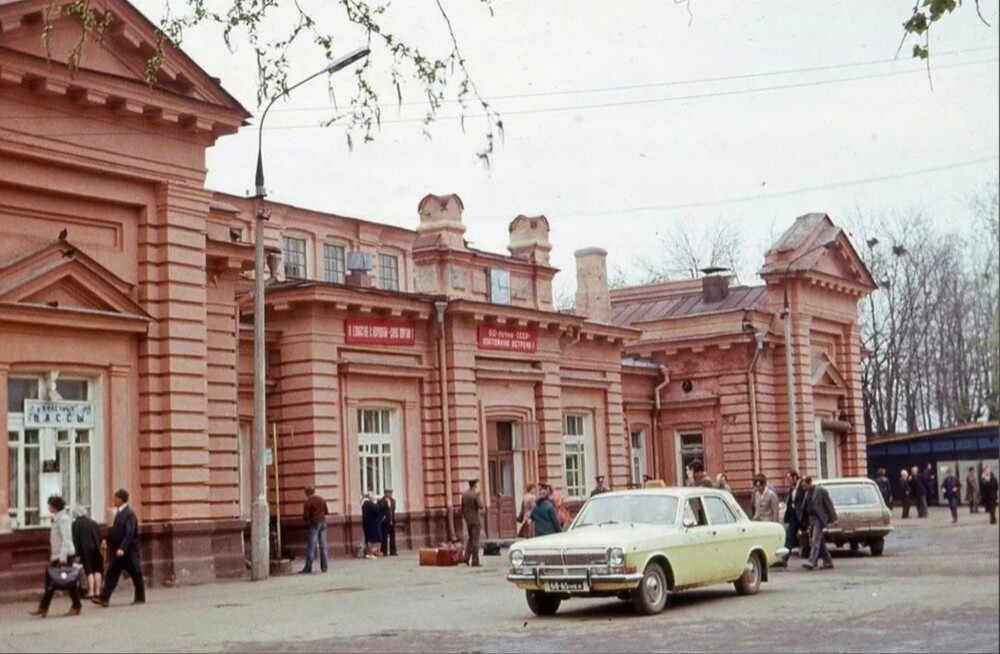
(260, 512)
(786, 317)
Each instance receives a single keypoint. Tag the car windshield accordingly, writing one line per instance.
(635, 509)
(853, 494)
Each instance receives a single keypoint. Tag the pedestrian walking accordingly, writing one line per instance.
(765, 501)
(918, 491)
(544, 515)
(387, 515)
(884, 487)
(988, 492)
(472, 505)
(61, 556)
(952, 490)
(972, 489)
(526, 530)
(314, 514)
(930, 487)
(794, 518)
(904, 492)
(819, 508)
(123, 552)
(87, 543)
(371, 525)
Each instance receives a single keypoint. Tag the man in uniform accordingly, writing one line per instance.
(472, 504)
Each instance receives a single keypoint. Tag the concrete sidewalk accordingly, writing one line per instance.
(349, 600)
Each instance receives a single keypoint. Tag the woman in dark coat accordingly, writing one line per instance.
(87, 541)
(371, 523)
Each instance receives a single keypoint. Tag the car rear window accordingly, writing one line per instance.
(853, 494)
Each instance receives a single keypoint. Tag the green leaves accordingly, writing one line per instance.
(920, 51)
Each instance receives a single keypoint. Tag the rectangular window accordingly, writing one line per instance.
(388, 272)
(333, 263)
(690, 448)
(61, 458)
(295, 257)
(638, 457)
(377, 444)
(575, 454)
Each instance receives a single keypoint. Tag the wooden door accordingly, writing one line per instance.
(501, 519)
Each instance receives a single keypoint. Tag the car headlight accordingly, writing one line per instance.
(516, 558)
(616, 557)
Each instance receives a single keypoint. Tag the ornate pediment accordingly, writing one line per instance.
(825, 375)
(63, 282)
(111, 72)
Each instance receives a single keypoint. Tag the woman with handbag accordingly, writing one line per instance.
(87, 543)
(60, 574)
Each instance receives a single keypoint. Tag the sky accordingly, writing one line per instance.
(619, 130)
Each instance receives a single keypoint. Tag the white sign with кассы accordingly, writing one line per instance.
(64, 414)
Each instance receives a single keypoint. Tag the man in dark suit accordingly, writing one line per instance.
(387, 514)
(123, 550)
(472, 504)
(819, 509)
(794, 518)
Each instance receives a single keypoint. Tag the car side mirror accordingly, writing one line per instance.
(689, 522)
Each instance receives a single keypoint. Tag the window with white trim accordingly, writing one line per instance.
(388, 272)
(334, 267)
(577, 453)
(378, 451)
(295, 257)
(690, 447)
(638, 438)
(62, 459)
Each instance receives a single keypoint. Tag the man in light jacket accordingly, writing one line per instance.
(766, 501)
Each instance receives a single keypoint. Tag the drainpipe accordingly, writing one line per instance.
(440, 307)
(656, 418)
(752, 387)
(790, 383)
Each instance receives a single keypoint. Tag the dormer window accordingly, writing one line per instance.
(499, 286)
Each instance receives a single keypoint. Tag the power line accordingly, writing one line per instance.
(768, 196)
(703, 80)
(603, 105)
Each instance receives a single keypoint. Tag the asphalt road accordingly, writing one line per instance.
(934, 590)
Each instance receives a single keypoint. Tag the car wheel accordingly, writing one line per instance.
(877, 546)
(651, 595)
(749, 581)
(542, 603)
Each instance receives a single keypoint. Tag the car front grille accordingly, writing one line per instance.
(566, 557)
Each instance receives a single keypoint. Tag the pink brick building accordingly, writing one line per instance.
(396, 358)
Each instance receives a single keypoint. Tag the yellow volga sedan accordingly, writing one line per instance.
(640, 545)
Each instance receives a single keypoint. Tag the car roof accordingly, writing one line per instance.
(843, 480)
(680, 491)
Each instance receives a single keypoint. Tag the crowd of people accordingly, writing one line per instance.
(85, 566)
(915, 488)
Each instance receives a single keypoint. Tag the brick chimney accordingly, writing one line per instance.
(441, 222)
(714, 286)
(593, 299)
(529, 239)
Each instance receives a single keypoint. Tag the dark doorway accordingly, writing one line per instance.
(501, 519)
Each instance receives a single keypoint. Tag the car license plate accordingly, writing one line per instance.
(565, 585)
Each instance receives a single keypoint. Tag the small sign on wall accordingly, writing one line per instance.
(507, 339)
(361, 331)
(63, 414)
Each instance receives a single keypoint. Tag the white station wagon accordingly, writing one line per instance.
(640, 545)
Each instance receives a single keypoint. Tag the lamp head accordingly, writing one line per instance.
(347, 59)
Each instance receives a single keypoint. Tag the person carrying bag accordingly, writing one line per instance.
(60, 574)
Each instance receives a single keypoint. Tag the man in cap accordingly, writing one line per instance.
(472, 504)
(600, 488)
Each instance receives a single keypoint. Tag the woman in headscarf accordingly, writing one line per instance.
(61, 542)
(87, 541)
(371, 524)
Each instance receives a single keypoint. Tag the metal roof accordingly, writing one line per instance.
(740, 298)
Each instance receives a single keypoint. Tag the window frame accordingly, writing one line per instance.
(373, 444)
(580, 440)
(383, 278)
(338, 273)
(684, 456)
(286, 241)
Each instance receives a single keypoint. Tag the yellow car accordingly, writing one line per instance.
(642, 544)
